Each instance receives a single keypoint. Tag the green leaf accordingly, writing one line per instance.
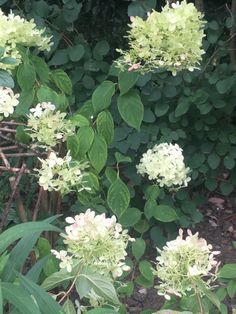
(25, 101)
(45, 302)
(101, 49)
(111, 174)
(102, 310)
(72, 144)
(85, 137)
(182, 107)
(21, 135)
(226, 188)
(142, 281)
(127, 80)
(213, 160)
(68, 307)
(102, 286)
(26, 76)
(18, 231)
(228, 271)
(105, 126)
(20, 298)
(150, 208)
(165, 213)
(138, 248)
(57, 279)
(131, 109)
(152, 192)
(130, 217)
(79, 120)
(45, 93)
(6, 80)
(209, 294)
(223, 86)
(76, 52)
(62, 81)
(41, 68)
(121, 158)
(231, 288)
(101, 98)
(1, 299)
(83, 286)
(35, 271)
(146, 270)
(118, 197)
(98, 152)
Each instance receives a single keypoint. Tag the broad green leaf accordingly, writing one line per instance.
(142, 281)
(131, 108)
(62, 81)
(228, 271)
(1, 299)
(111, 174)
(165, 213)
(101, 98)
(101, 49)
(130, 217)
(47, 94)
(79, 120)
(145, 269)
(72, 144)
(98, 152)
(105, 126)
(213, 160)
(18, 231)
(83, 286)
(45, 302)
(25, 101)
(20, 298)
(68, 307)
(182, 107)
(138, 248)
(121, 158)
(150, 208)
(76, 52)
(127, 80)
(85, 137)
(172, 312)
(152, 192)
(41, 68)
(3, 261)
(118, 197)
(56, 279)
(102, 286)
(26, 75)
(231, 288)
(209, 294)
(6, 80)
(21, 135)
(223, 86)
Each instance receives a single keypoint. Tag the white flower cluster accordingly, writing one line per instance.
(164, 163)
(181, 262)
(62, 174)
(171, 39)
(95, 241)
(16, 30)
(8, 100)
(48, 126)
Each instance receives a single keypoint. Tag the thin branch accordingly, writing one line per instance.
(14, 188)
(6, 162)
(19, 203)
(12, 123)
(13, 169)
(24, 154)
(7, 130)
(13, 147)
(37, 206)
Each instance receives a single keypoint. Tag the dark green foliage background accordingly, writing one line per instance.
(196, 110)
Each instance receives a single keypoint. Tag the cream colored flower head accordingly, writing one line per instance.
(16, 30)
(164, 163)
(8, 101)
(62, 174)
(182, 262)
(48, 126)
(171, 39)
(97, 242)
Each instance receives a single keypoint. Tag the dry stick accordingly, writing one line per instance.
(12, 147)
(13, 169)
(24, 154)
(37, 206)
(14, 188)
(7, 130)
(17, 143)
(11, 123)
(19, 204)
(6, 162)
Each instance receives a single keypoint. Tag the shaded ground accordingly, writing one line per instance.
(219, 229)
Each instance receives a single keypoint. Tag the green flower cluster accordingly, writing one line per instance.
(62, 174)
(182, 263)
(48, 126)
(170, 39)
(16, 30)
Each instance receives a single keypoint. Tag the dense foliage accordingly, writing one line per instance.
(108, 119)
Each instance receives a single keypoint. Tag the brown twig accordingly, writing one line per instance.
(12, 123)
(14, 188)
(13, 169)
(24, 154)
(6, 162)
(37, 206)
(12, 147)
(19, 204)
(7, 130)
